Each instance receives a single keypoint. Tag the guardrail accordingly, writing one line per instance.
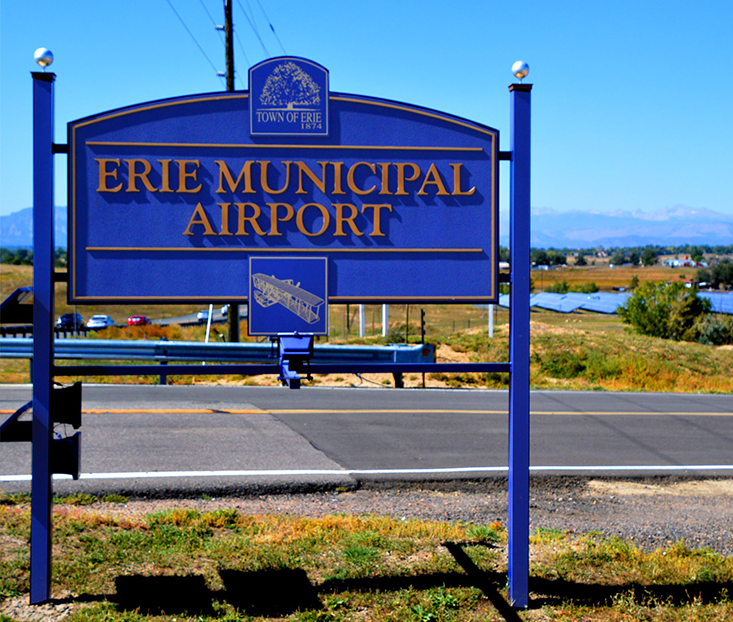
(247, 352)
(376, 358)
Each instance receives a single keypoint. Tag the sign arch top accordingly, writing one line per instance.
(169, 199)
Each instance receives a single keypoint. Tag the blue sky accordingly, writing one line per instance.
(631, 103)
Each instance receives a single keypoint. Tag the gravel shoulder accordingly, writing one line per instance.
(652, 512)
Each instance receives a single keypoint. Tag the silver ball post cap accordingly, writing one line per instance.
(44, 57)
(520, 69)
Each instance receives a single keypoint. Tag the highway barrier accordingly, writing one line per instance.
(164, 352)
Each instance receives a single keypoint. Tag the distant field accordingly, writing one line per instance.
(576, 351)
(607, 278)
(440, 319)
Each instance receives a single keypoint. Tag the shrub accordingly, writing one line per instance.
(585, 288)
(669, 311)
(715, 330)
(558, 287)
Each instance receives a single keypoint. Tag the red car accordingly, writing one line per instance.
(138, 320)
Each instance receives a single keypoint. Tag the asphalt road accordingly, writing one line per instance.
(163, 439)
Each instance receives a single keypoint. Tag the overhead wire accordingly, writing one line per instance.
(254, 29)
(241, 47)
(282, 47)
(217, 27)
(188, 30)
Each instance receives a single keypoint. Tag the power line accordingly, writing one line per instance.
(216, 71)
(254, 29)
(271, 27)
(218, 29)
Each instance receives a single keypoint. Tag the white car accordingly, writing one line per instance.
(98, 322)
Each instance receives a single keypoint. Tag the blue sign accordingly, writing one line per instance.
(289, 97)
(288, 295)
(169, 200)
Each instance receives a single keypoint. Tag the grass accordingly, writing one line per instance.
(227, 565)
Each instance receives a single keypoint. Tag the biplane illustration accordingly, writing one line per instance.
(270, 290)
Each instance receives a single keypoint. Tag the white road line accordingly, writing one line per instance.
(305, 472)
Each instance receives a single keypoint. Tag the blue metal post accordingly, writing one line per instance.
(43, 251)
(519, 347)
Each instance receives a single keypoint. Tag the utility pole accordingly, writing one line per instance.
(233, 315)
(229, 32)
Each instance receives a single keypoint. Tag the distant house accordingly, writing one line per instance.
(689, 283)
(685, 262)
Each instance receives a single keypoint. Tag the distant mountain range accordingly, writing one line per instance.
(550, 228)
(16, 229)
(668, 226)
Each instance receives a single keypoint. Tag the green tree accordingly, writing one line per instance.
(666, 310)
(542, 257)
(618, 258)
(717, 275)
(580, 261)
(648, 256)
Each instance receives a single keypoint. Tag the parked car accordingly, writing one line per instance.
(98, 322)
(138, 320)
(69, 321)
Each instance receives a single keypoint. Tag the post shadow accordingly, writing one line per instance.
(277, 593)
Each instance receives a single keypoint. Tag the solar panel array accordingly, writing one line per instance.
(721, 303)
(606, 302)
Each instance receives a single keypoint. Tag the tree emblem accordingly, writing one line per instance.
(289, 86)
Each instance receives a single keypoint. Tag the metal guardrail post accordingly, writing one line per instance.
(163, 378)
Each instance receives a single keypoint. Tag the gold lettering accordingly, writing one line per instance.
(324, 213)
(183, 175)
(337, 177)
(165, 176)
(252, 220)
(263, 177)
(133, 175)
(341, 219)
(319, 183)
(202, 220)
(457, 182)
(289, 212)
(432, 177)
(401, 179)
(224, 218)
(224, 174)
(104, 174)
(377, 211)
(385, 177)
(350, 178)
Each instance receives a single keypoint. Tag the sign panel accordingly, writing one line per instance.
(288, 295)
(169, 200)
(289, 97)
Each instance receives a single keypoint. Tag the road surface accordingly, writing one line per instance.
(160, 439)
